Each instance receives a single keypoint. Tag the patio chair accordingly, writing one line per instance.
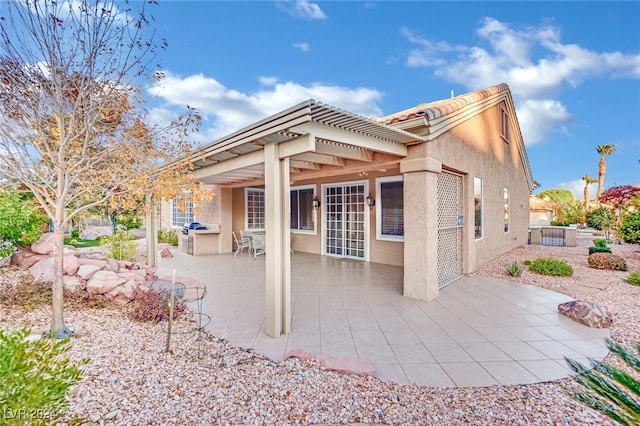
(243, 243)
(258, 245)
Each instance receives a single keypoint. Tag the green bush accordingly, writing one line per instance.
(36, 377)
(610, 390)
(629, 229)
(633, 278)
(20, 220)
(514, 269)
(129, 220)
(119, 246)
(607, 261)
(547, 266)
(595, 249)
(6, 248)
(572, 212)
(600, 218)
(556, 223)
(168, 236)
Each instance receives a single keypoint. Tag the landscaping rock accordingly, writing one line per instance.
(72, 283)
(130, 276)
(103, 282)
(43, 270)
(298, 353)
(587, 313)
(123, 293)
(346, 365)
(165, 253)
(26, 259)
(100, 263)
(70, 265)
(89, 234)
(86, 271)
(44, 245)
(113, 266)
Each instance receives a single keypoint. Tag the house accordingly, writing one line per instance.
(440, 189)
(541, 212)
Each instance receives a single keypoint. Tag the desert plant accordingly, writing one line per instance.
(599, 246)
(36, 377)
(548, 266)
(633, 278)
(608, 261)
(169, 236)
(514, 269)
(572, 212)
(600, 218)
(119, 246)
(6, 248)
(629, 229)
(610, 390)
(148, 305)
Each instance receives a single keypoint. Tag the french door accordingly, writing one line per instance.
(346, 220)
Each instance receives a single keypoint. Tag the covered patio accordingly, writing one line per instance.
(480, 331)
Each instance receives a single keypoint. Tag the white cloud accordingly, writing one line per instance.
(577, 188)
(225, 110)
(301, 9)
(534, 62)
(302, 46)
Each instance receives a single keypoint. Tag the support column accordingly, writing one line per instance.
(285, 254)
(421, 227)
(273, 240)
(150, 232)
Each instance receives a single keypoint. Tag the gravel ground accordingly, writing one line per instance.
(131, 381)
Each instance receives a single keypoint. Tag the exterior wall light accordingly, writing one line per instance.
(371, 202)
(316, 203)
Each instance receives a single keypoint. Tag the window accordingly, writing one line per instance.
(477, 203)
(506, 209)
(254, 208)
(504, 125)
(181, 212)
(390, 208)
(302, 208)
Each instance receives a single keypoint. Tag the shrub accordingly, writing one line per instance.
(633, 278)
(607, 261)
(6, 248)
(129, 220)
(514, 269)
(556, 223)
(36, 377)
(600, 218)
(119, 246)
(152, 306)
(609, 389)
(572, 212)
(169, 236)
(629, 229)
(547, 266)
(20, 220)
(595, 249)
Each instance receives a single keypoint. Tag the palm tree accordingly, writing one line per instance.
(588, 180)
(603, 150)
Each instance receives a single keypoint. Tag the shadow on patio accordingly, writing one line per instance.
(480, 331)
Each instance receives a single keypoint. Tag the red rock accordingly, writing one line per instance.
(298, 353)
(97, 262)
(44, 245)
(587, 313)
(70, 264)
(103, 282)
(346, 365)
(26, 259)
(166, 253)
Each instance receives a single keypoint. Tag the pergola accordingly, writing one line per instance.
(307, 141)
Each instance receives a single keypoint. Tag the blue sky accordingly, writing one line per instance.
(573, 68)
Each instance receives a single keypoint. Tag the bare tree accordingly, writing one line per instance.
(72, 129)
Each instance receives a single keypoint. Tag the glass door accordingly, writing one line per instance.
(345, 220)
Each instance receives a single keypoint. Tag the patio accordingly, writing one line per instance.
(480, 331)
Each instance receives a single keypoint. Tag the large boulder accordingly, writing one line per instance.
(44, 245)
(43, 270)
(89, 234)
(26, 259)
(103, 282)
(72, 283)
(587, 313)
(100, 263)
(123, 293)
(70, 264)
(86, 271)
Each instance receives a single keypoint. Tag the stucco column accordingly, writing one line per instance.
(151, 234)
(225, 200)
(420, 228)
(277, 259)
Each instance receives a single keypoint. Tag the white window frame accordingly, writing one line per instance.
(479, 179)
(379, 235)
(314, 217)
(246, 207)
(188, 213)
(507, 210)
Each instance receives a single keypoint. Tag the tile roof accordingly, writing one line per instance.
(443, 107)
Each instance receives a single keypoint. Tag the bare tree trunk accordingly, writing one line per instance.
(58, 329)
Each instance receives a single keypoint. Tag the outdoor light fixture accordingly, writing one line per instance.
(316, 203)
(371, 202)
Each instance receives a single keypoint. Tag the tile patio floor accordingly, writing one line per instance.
(480, 331)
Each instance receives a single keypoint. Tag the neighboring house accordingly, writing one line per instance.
(541, 212)
(439, 189)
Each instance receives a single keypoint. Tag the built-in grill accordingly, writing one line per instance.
(193, 225)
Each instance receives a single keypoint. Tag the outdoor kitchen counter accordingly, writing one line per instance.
(206, 241)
